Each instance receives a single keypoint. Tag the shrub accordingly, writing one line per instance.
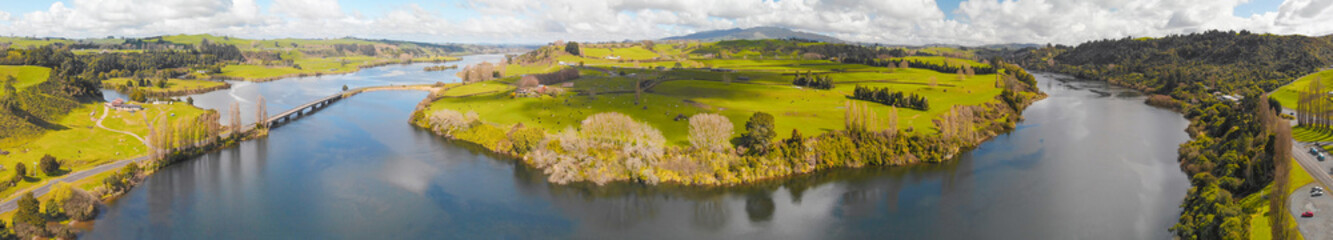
(759, 133)
(446, 122)
(49, 165)
(616, 128)
(710, 132)
(524, 139)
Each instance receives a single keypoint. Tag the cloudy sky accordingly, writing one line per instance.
(969, 22)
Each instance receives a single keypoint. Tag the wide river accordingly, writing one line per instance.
(1090, 161)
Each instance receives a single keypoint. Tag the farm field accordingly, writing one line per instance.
(24, 76)
(758, 86)
(308, 66)
(173, 84)
(1287, 94)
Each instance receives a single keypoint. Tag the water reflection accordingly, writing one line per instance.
(1083, 165)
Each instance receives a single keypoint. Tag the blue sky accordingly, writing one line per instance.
(538, 21)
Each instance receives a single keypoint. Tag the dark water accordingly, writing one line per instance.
(1090, 162)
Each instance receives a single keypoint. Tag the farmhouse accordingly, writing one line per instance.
(120, 104)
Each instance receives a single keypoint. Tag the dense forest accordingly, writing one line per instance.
(1232, 154)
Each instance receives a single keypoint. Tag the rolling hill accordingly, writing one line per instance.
(754, 34)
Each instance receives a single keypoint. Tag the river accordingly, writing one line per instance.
(1090, 161)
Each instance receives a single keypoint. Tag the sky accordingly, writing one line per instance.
(906, 22)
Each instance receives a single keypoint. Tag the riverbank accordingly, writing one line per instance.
(256, 73)
(173, 87)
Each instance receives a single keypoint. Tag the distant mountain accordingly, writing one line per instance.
(754, 33)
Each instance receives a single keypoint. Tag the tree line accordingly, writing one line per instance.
(810, 80)
(885, 96)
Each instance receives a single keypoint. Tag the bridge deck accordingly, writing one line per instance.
(340, 95)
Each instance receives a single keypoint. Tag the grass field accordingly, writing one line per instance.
(173, 85)
(629, 53)
(478, 88)
(942, 51)
(1260, 226)
(943, 60)
(27, 76)
(23, 42)
(1305, 134)
(1287, 94)
(248, 44)
(308, 66)
(688, 92)
(82, 145)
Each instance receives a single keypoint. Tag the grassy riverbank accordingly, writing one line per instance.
(173, 86)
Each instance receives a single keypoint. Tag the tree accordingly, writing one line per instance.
(572, 48)
(344, 87)
(710, 132)
(759, 133)
(189, 100)
(28, 219)
(49, 165)
(52, 210)
(5, 232)
(261, 113)
(20, 170)
(235, 114)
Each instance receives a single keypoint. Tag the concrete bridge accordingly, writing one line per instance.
(314, 106)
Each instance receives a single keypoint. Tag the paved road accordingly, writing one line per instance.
(12, 204)
(1321, 225)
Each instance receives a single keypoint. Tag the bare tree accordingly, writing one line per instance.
(261, 113)
(235, 114)
(711, 132)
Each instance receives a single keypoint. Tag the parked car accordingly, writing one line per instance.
(1314, 150)
(1320, 157)
(1307, 214)
(1316, 189)
(1316, 194)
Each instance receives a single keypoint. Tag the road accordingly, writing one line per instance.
(1321, 225)
(12, 203)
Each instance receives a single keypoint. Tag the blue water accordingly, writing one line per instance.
(1082, 165)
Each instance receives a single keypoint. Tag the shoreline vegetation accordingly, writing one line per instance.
(317, 73)
(616, 143)
(439, 68)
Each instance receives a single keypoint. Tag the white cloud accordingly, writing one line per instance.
(309, 9)
(531, 21)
